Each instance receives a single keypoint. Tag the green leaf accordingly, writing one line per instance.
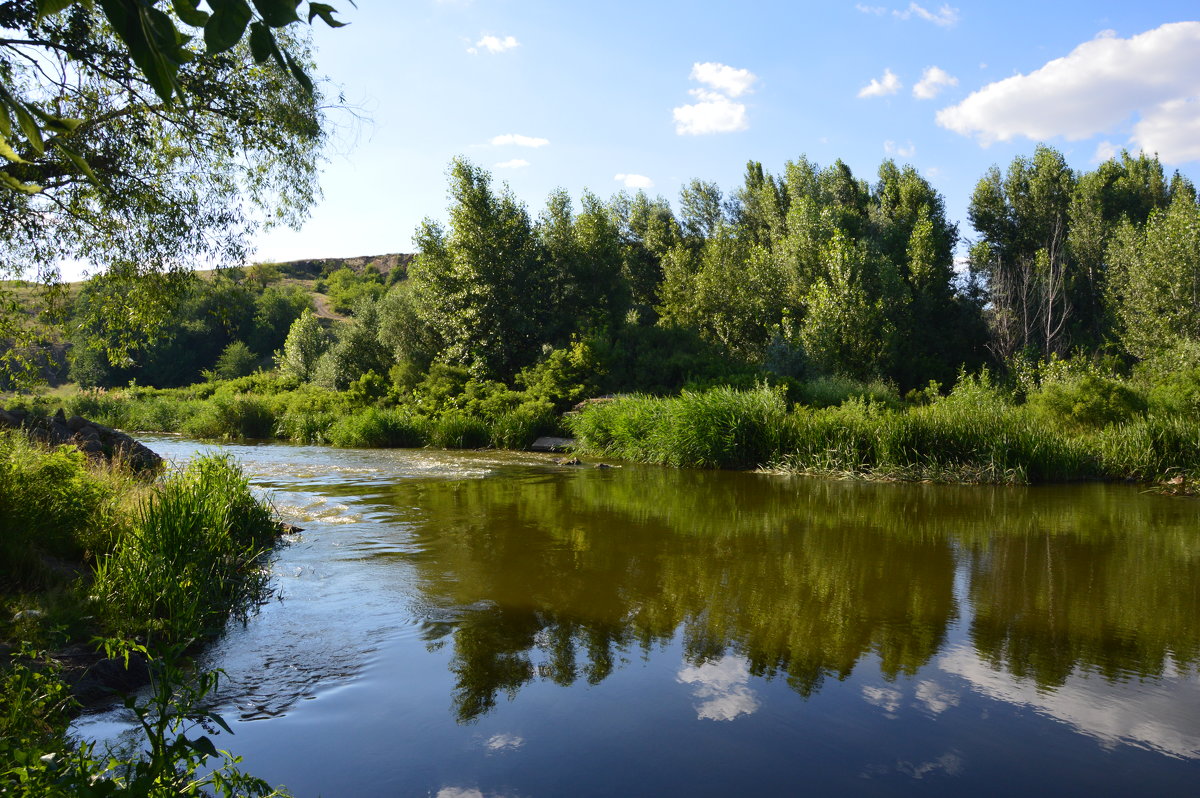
(5, 119)
(325, 12)
(277, 13)
(298, 73)
(11, 182)
(8, 152)
(46, 8)
(220, 721)
(80, 162)
(57, 124)
(227, 25)
(31, 130)
(262, 43)
(204, 746)
(190, 13)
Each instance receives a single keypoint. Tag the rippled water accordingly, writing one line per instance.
(491, 624)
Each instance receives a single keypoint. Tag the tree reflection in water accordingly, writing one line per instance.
(565, 576)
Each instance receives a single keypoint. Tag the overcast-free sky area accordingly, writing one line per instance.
(615, 95)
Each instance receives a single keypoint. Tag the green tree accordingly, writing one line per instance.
(139, 184)
(482, 285)
(1154, 286)
(846, 331)
(306, 342)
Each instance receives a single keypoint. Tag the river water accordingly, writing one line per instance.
(491, 624)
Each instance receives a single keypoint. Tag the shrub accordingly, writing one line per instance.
(1085, 401)
(457, 430)
(375, 428)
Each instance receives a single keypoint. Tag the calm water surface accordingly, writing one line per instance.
(490, 624)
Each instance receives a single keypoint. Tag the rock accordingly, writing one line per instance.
(548, 444)
(77, 423)
(288, 529)
(60, 417)
(605, 465)
(27, 615)
(106, 677)
(569, 461)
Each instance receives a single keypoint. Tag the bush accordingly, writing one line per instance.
(719, 428)
(457, 430)
(227, 418)
(1087, 401)
(235, 361)
(375, 428)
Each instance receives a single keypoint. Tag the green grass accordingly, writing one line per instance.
(974, 435)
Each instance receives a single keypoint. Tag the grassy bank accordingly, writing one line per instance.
(977, 433)
(93, 552)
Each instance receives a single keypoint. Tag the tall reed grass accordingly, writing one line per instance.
(190, 558)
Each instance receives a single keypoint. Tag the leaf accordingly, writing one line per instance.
(298, 73)
(11, 182)
(227, 25)
(325, 12)
(220, 721)
(277, 13)
(5, 119)
(204, 746)
(189, 12)
(262, 42)
(8, 152)
(80, 162)
(58, 124)
(46, 8)
(30, 129)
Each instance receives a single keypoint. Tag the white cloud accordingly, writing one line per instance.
(933, 172)
(876, 10)
(904, 151)
(933, 80)
(1165, 719)
(1098, 87)
(715, 111)
(494, 44)
(515, 163)
(880, 87)
(504, 742)
(518, 140)
(885, 698)
(634, 181)
(722, 687)
(1104, 151)
(1172, 130)
(936, 699)
(945, 16)
(732, 82)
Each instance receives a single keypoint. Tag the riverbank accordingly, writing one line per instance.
(108, 578)
(1070, 426)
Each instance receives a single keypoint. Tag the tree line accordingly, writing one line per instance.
(812, 271)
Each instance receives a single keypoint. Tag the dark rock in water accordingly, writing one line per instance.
(92, 679)
(288, 529)
(605, 465)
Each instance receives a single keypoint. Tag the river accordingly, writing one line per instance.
(467, 624)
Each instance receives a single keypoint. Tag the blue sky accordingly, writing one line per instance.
(600, 96)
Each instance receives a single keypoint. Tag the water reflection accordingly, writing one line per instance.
(564, 577)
